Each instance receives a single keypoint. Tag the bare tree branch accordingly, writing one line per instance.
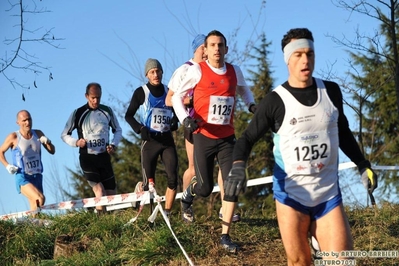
(372, 44)
(19, 58)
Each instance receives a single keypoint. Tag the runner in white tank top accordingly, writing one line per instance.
(307, 119)
(25, 145)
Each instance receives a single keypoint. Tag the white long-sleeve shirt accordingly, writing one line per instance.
(93, 125)
(191, 79)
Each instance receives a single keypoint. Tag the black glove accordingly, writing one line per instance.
(235, 182)
(145, 133)
(252, 108)
(174, 123)
(369, 179)
(190, 103)
(190, 123)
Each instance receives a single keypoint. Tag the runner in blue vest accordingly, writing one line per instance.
(27, 165)
(149, 116)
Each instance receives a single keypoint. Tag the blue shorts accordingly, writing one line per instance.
(23, 179)
(315, 212)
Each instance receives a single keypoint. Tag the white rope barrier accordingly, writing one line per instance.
(166, 219)
(152, 217)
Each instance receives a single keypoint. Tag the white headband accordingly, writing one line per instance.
(290, 48)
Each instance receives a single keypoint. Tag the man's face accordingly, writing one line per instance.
(24, 121)
(94, 97)
(215, 49)
(200, 53)
(154, 76)
(301, 66)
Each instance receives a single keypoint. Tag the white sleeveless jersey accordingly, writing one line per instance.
(27, 155)
(306, 149)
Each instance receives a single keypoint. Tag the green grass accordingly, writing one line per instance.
(104, 240)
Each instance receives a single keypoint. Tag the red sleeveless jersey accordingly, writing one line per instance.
(214, 102)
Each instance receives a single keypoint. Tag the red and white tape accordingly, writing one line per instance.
(126, 200)
(83, 203)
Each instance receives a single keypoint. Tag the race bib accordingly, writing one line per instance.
(160, 119)
(32, 164)
(310, 153)
(220, 110)
(96, 143)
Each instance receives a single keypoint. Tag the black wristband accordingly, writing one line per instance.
(239, 164)
(363, 164)
(250, 106)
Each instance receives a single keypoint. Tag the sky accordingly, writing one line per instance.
(109, 44)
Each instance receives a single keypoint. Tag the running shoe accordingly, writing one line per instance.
(188, 195)
(236, 216)
(100, 212)
(138, 188)
(188, 215)
(187, 200)
(227, 244)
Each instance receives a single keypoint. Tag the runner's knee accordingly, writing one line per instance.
(172, 184)
(203, 191)
(230, 198)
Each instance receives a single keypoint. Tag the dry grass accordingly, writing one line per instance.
(106, 241)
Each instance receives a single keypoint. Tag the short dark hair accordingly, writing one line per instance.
(298, 33)
(92, 84)
(215, 33)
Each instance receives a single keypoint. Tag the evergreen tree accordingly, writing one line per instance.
(127, 164)
(375, 100)
(261, 160)
(80, 185)
(372, 86)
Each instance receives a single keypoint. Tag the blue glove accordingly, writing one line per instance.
(236, 182)
(190, 123)
(369, 179)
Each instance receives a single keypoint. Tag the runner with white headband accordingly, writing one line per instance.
(290, 48)
(309, 126)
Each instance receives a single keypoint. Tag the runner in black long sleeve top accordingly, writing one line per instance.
(137, 100)
(270, 115)
(154, 121)
(308, 123)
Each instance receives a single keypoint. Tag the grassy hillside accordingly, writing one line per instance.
(87, 239)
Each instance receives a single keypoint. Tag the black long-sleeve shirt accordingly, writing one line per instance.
(137, 100)
(270, 115)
